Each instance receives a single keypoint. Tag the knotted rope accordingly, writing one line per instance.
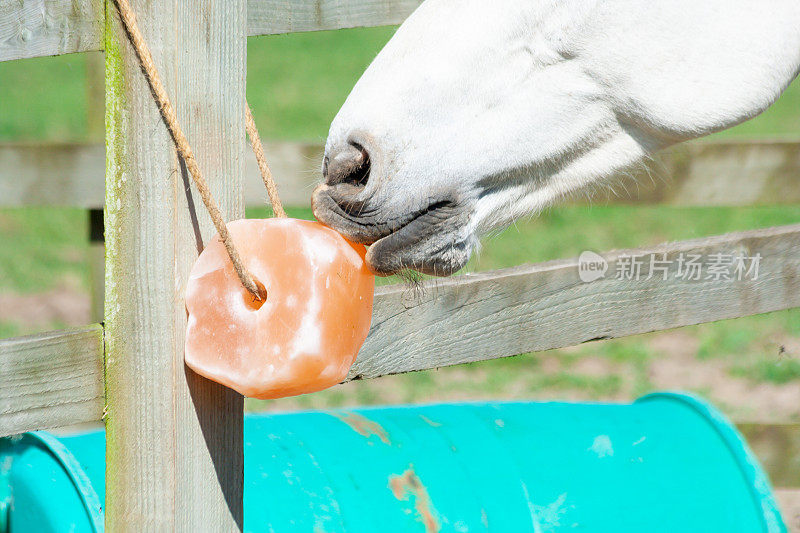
(184, 149)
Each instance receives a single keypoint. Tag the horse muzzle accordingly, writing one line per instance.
(422, 234)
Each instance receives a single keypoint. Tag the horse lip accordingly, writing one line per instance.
(329, 212)
(416, 219)
(390, 241)
(411, 239)
(405, 250)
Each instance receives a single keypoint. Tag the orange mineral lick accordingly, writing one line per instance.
(307, 333)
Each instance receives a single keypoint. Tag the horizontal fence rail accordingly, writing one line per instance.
(56, 378)
(268, 17)
(35, 28)
(718, 172)
(72, 175)
(50, 380)
(695, 174)
(539, 307)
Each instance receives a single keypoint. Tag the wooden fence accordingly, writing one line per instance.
(704, 173)
(174, 448)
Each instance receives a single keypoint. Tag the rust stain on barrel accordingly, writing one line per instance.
(363, 425)
(408, 485)
(430, 422)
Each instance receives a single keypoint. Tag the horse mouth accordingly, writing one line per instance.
(424, 240)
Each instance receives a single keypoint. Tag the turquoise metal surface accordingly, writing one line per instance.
(754, 476)
(49, 488)
(5, 488)
(668, 462)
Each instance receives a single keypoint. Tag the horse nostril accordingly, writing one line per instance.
(348, 164)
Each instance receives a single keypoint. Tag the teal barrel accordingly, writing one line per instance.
(667, 462)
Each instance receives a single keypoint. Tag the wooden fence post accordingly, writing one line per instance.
(174, 440)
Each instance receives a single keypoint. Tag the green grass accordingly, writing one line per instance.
(43, 99)
(296, 83)
(40, 247)
(780, 371)
(566, 232)
(782, 120)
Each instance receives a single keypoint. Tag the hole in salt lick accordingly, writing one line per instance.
(251, 301)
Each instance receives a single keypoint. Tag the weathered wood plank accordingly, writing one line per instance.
(33, 28)
(717, 173)
(71, 175)
(50, 380)
(697, 174)
(539, 307)
(174, 440)
(56, 379)
(266, 17)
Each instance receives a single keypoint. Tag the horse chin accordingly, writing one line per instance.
(435, 254)
(433, 240)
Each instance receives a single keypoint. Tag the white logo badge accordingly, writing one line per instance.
(591, 266)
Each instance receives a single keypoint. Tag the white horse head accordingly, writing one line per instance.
(478, 112)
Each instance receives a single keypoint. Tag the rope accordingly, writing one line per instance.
(266, 174)
(185, 151)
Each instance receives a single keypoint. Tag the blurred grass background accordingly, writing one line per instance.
(296, 83)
